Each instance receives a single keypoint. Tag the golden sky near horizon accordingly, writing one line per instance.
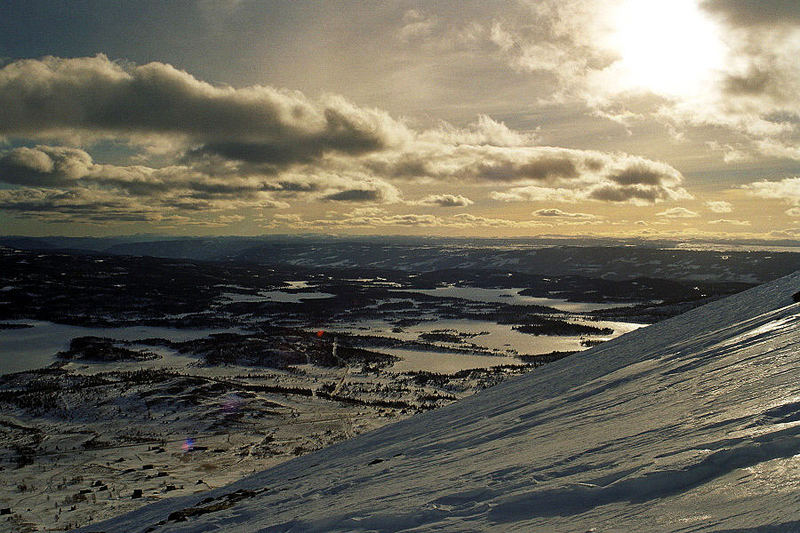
(621, 118)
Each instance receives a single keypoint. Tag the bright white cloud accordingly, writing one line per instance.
(730, 222)
(719, 206)
(678, 212)
(445, 200)
(787, 190)
(558, 213)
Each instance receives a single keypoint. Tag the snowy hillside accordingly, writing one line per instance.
(692, 424)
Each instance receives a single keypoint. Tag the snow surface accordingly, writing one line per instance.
(691, 424)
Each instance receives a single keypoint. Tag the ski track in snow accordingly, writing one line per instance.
(692, 424)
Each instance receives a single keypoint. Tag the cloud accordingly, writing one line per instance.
(787, 190)
(377, 219)
(93, 95)
(558, 213)
(606, 178)
(209, 148)
(730, 154)
(547, 172)
(44, 166)
(633, 194)
(484, 131)
(755, 94)
(546, 168)
(416, 25)
(56, 166)
(755, 12)
(733, 69)
(362, 190)
(445, 200)
(532, 193)
(97, 207)
(731, 222)
(176, 188)
(719, 206)
(60, 183)
(354, 220)
(677, 212)
(778, 148)
(53, 205)
(787, 233)
(367, 212)
(265, 130)
(466, 220)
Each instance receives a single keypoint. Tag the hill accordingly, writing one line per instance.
(692, 424)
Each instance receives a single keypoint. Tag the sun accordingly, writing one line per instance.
(668, 47)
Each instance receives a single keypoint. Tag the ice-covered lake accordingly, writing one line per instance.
(31, 348)
(513, 297)
(443, 362)
(274, 296)
(501, 339)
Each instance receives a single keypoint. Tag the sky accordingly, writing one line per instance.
(608, 118)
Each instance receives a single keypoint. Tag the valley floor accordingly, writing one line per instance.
(80, 442)
(692, 424)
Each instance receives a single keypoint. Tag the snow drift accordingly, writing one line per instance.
(692, 424)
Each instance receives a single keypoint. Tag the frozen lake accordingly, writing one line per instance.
(31, 348)
(443, 363)
(501, 339)
(274, 296)
(513, 297)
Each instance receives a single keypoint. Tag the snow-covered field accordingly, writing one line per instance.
(78, 439)
(692, 424)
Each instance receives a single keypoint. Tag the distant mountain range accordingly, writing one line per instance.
(610, 259)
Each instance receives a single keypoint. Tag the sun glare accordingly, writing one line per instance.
(669, 47)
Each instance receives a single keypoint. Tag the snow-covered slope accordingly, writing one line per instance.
(692, 424)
